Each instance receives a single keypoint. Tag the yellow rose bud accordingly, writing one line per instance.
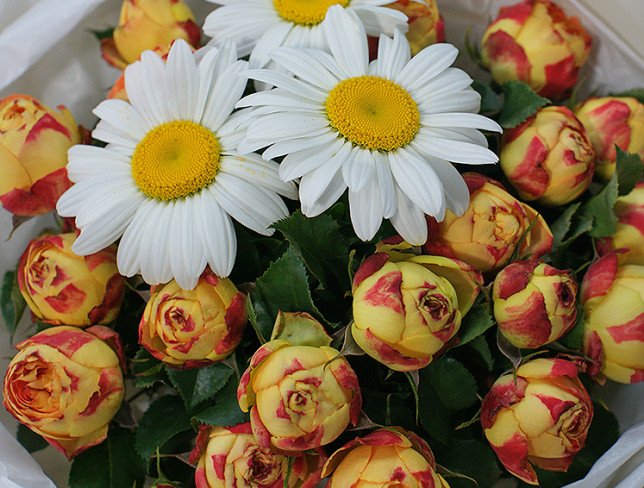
(629, 233)
(426, 26)
(404, 313)
(540, 417)
(386, 457)
(534, 303)
(535, 42)
(149, 24)
(613, 300)
(611, 121)
(192, 328)
(549, 157)
(299, 397)
(34, 140)
(62, 288)
(231, 456)
(66, 385)
(488, 233)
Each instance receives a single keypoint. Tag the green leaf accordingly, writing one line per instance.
(103, 34)
(165, 418)
(561, 226)
(225, 411)
(320, 245)
(112, 464)
(453, 383)
(519, 103)
(147, 369)
(29, 439)
(476, 322)
(284, 286)
(434, 415)
(490, 100)
(629, 171)
(472, 49)
(472, 458)
(481, 346)
(600, 210)
(199, 384)
(12, 305)
(575, 337)
(637, 93)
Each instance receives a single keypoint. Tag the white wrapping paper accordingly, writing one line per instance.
(47, 50)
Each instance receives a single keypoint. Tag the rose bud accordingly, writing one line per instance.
(231, 456)
(148, 24)
(34, 140)
(537, 417)
(629, 234)
(613, 300)
(62, 288)
(192, 328)
(611, 121)
(404, 313)
(66, 384)
(386, 457)
(425, 23)
(534, 303)
(300, 396)
(535, 42)
(489, 231)
(549, 157)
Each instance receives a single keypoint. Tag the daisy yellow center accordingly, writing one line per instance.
(373, 112)
(175, 159)
(305, 12)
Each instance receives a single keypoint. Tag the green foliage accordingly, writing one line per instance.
(598, 212)
(225, 411)
(519, 103)
(629, 170)
(165, 418)
(199, 384)
(562, 225)
(476, 322)
(30, 440)
(472, 458)
(480, 345)
(490, 100)
(12, 305)
(147, 369)
(637, 93)
(574, 339)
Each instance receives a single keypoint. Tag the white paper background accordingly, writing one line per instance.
(47, 50)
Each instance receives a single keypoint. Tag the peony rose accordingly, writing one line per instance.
(66, 385)
(299, 397)
(534, 303)
(629, 234)
(613, 300)
(191, 328)
(34, 140)
(611, 121)
(62, 288)
(231, 456)
(540, 417)
(149, 24)
(535, 42)
(494, 224)
(549, 157)
(426, 26)
(387, 457)
(404, 313)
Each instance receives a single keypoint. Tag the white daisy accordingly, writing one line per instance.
(259, 26)
(386, 130)
(170, 178)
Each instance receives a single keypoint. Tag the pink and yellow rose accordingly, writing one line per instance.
(62, 288)
(537, 417)
(34, 140)
(535, 42)
(534, 303)
(66, 384)
(231, 456)
(192, 328)
(549, 157)
(426, 26)
(387, 457)
(613, 300)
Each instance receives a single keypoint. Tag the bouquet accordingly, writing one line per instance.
(311, 251)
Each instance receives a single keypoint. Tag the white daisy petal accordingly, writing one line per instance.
(280, 98)
(456, 193)
(226, 91)
(456, 133)
(128, 254)
(298, 163)
(359, 169)
(366, 210)
(181, 81)
(379, 20)
(113, 135)
(347, 41)
(281, 125)
(89, 161)
(427, 64)
(286, 82)
(305, 66)
(409, 220)
(386, 184)
(465, 120)
(139, 77)
(456, 151)
(121, 115)
(462, 101)
(291, 146)
(393, 55)
(188, 259)
(334, 190)
(254, 169)
(217, 234)
(272, 39)
(449, 81)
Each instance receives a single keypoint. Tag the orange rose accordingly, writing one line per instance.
(62, 288)
(34, 140)
(66, 385)
(426, 26)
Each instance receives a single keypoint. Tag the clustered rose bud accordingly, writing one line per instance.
(426, 26)
(534, 303)
(386, 457)
(549, 157)
(34, 140)
(404, 313)
(488, 233)
(149, 24)
(62, 288)
(613, 300)
(611, 121)
(539, 416)
(535, 42)
(299, 397)
(231, 456)
(629, 233)
(66, 384)
(192, 328)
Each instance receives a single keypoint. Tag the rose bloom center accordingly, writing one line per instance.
(305, 12)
